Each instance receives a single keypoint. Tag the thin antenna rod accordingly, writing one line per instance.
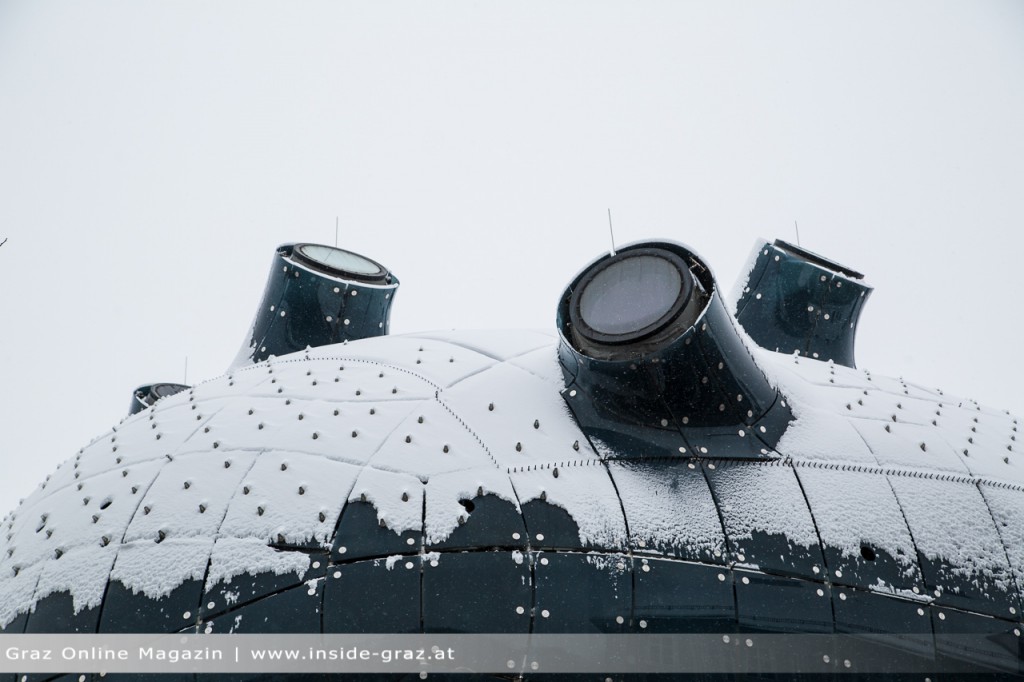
(611, 231)
(186, 371)
(335, 231)
(4, 241)
(797, 233)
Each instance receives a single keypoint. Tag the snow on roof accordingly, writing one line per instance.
(143, 565)
(271, 452)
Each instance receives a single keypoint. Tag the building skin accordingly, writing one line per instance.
(661, 461)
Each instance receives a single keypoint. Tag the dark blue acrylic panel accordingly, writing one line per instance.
(125, 611)
(56, 613)
(977, 592)
(874, 565)
(476, 592)
(582, 592)
(304, 306)
(768, 603)
(360, 535)
(732, 369)
(901, 629)
(669, 509)
(373, 596)
(989, 644)
(675, 596)
(796, 300)
(688, 387)
(553, 524)
(293, 610)
(859, 612)
(491, 522)
(247, 587)
(766, 518)
(774, 422)
(960, 550)
(16, 626)
(858, 518)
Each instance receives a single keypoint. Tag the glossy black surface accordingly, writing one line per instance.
(690, 389)
(796, 301)
(296, 609)
(745, 494)
(999, 649)
(563, 585)
(674, 596)
(228, 595)
(582, 592)
(146, 396)
(307, 304)
(126, 611)
(57, 613)
(374, 596)
(459, 589)
(682, 492)
(726, 535)
(360, 535)
(490, 522)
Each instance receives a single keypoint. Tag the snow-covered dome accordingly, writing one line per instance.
(438, 482)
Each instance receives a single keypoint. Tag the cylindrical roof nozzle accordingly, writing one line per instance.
(318, 295)
(654, 364)
(796, 301)
(145, 396)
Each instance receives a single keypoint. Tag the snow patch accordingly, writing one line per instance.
(743, 281)
(82, 572)
(586, 493)
(156, 569)
(237, 556)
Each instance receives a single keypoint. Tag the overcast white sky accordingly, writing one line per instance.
(153, 153)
